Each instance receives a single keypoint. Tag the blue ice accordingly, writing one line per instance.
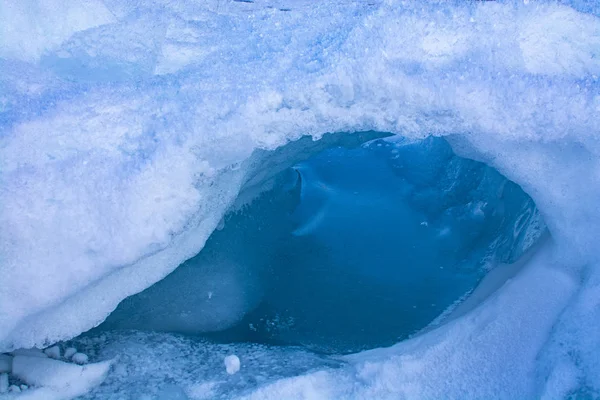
(350, 249)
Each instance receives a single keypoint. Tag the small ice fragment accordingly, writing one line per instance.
(3, 383)
(424, 223)
(14, 389)
(79, 358)
(53, 352)
(24, 387)
(69, 352)
(5, 363)
(232, 364)
(29, 353)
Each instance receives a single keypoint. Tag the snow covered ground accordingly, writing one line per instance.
(127, 130)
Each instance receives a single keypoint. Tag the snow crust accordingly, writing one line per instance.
(126, 132)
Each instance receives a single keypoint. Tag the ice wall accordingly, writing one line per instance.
(126, 131)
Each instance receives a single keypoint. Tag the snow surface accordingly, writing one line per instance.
(127, 131)
(154, 364)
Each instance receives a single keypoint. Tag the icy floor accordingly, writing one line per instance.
(151, 366)
(166, 366)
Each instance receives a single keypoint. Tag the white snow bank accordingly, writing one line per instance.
(55, 379)
(111, 182)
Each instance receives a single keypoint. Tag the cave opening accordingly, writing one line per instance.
(351, 242)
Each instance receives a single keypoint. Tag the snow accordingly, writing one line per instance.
(29, 29)
(232, 364)
(57, 379)
(126, 133)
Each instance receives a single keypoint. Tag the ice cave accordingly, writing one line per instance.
(288, 199)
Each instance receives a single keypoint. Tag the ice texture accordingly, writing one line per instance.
(353, 248)
(127, 131)
(155, 364)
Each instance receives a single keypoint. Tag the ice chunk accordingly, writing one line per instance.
(65, 379)
(69, 352)
(14, 389)
(53, 352)
(79, 358)
(232, 364)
